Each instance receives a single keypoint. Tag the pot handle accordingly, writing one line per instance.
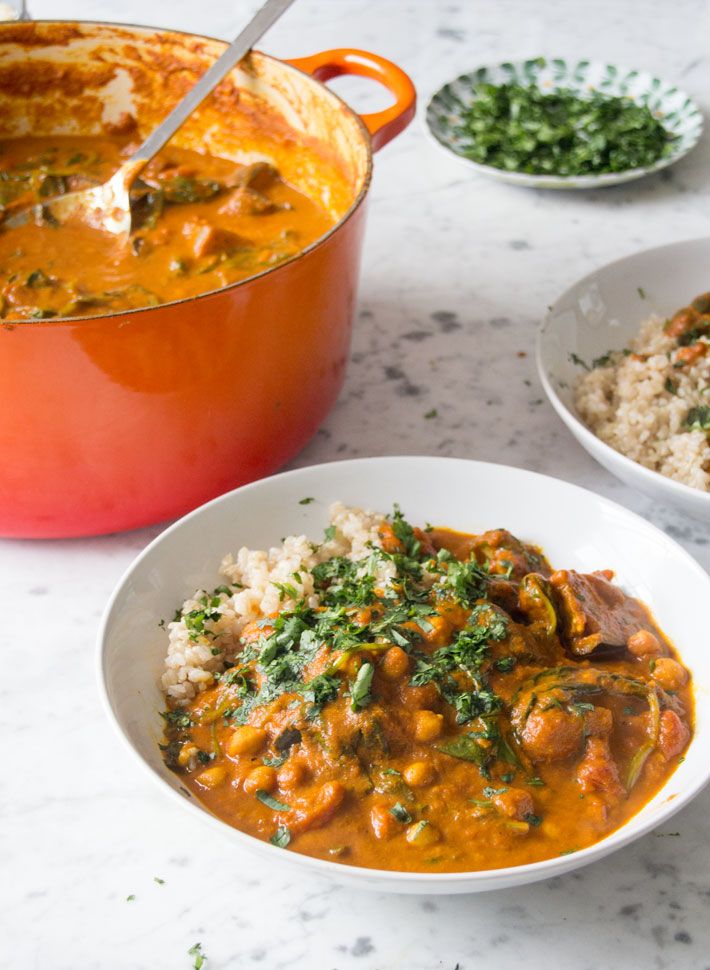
(383, 125)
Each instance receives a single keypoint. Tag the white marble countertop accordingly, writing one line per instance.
(456, 275)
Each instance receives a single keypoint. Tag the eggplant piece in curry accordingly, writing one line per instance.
(202, 222)
(476, 710)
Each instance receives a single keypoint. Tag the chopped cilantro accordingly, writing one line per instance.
(522, 128)
(179, 718)
(286, 590)
(578, 361)
(281, 837)
(401, 813)
(405, 533)
(196, 952)
(431, 414)
(320, 691)
(698, 418)
(360, 688)
(195, 622)
(307, 500)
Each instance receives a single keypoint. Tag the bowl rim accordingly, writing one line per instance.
(317, 243)
(550, 180)
(427, 881)
(572, 419)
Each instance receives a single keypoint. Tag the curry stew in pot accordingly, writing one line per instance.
(202, 222)
(428, 701)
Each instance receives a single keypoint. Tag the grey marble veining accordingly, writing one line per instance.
(456, 274)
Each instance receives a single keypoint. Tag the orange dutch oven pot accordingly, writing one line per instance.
(117, 421)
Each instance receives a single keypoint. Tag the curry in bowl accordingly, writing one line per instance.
(420, 699)
(203, 222)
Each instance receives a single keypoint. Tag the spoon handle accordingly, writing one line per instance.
(268, 14)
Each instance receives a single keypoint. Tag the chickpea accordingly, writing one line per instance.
(363, 616)
(422, 833)
(323, 806)
(643, 643)
(354, 663)
(384, 824)
(261, 777)
(292, 774)
(418, 698)
(439, 630)
(211, 777)
(515, 803)
(418, 774)
(669, 674)
(187, 753)
(428, 725)
(395, 664)
(246, 740)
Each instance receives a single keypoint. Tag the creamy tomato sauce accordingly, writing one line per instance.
(202, 223)
(479, 711)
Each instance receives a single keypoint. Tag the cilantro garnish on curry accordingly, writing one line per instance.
(202, 222)
(420, 700)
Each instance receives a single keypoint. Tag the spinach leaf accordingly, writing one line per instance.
(266, 799)
(465, 748)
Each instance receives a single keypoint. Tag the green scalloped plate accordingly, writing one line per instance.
(676, 110)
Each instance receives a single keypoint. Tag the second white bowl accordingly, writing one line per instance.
(603, 312)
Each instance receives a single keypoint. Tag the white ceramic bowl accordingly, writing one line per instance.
(575, 527)
(603, 312)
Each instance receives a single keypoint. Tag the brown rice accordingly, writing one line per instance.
(638, 403)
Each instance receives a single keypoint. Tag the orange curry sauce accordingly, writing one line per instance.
(202, 222)
(503, 714)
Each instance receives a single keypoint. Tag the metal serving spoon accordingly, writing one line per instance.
(107, 206)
